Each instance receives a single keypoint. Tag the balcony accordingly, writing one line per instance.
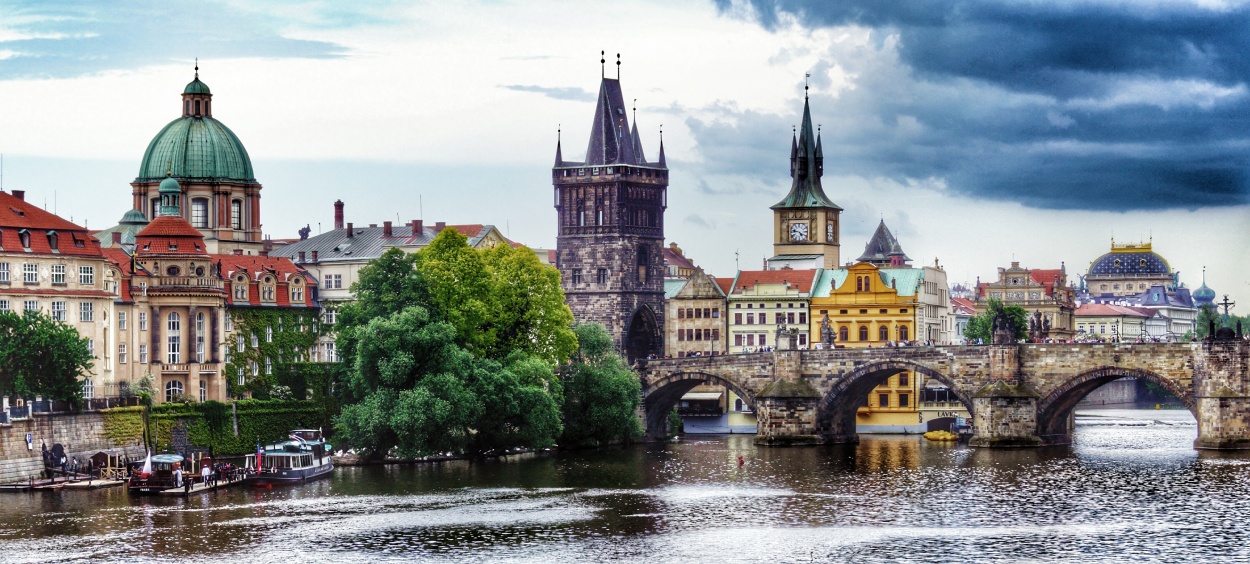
(187, 282)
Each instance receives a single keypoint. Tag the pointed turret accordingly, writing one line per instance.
(636, 142)
(559, 154)
(610, 141)
(663, 163)
(806, 167)
(883, 249)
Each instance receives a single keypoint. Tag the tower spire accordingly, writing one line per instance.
(603, 70)
(662, 163)
(559, 154)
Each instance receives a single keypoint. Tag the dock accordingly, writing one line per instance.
(201, 487)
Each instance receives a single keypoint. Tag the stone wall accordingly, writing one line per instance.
(82, 435)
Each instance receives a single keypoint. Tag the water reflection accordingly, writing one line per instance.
(1130, 487)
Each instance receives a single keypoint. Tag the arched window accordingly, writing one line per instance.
(186, 107)
(883, 333)
(844, 334)
(173, 390)
(156, 208)
(867, 284)
(197, 107)
(174, 349)
(859, 283)
(863, 332)
(902, 333)
(199, 338)
(738, 404)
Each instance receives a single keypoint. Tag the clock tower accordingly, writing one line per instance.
(805, 222)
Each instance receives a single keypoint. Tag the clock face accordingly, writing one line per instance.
(798, 231)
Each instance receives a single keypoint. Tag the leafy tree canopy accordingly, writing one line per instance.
(41, 357)
(981, 326)
(601, 393)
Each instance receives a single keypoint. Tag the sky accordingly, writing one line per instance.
(981, 132)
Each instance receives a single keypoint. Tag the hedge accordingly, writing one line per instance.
(210, 424)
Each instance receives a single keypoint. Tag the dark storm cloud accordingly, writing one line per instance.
(1054, 105)
(66, 39)
(556, 92)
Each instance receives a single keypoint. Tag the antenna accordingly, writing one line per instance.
(602, 69)
(805, 77)
(618, 66)
(420, 207)
(736, 267)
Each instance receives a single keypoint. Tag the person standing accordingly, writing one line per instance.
(205, 471)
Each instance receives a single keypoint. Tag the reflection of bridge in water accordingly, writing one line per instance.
(1018, 395)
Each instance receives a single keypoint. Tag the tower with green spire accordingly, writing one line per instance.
(806, 222)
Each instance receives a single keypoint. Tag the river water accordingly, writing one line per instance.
(1130, 488)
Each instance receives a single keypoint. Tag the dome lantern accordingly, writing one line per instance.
(197, 99)
(170, 193)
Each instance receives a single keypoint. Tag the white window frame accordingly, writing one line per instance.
(86, 275)
(30, 273)
(58, 310)
(86, 311)
(58, 275)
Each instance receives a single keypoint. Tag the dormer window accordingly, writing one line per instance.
(24, 237)
(53, 240)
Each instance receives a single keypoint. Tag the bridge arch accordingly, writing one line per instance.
(659, 396)
(1055, 410)
(835, 416)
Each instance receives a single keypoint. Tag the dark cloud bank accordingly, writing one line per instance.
(1067, 106)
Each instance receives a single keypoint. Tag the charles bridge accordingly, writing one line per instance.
(1019, 395)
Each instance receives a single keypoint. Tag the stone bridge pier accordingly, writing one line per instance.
(1018, 395)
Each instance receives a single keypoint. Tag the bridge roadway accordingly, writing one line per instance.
(1019, 395)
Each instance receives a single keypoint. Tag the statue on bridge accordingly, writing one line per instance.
(1039, 326)
(826, 332)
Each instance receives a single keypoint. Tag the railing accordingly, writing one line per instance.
(17, 412)
(96, 404)
(175, 368)
(187, 282)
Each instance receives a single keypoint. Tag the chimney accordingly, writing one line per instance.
(386, 229)
(314, 256)
(301, 256)
(264, 253)
(338, 214)
(439, 226)
(117, 237)
(20, 194)
(373, 226)
(349, 230)
(417, 227)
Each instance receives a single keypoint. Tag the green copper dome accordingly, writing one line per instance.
(170, 186)
(199, 148)
(196, 87)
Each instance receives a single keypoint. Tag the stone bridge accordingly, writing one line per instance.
(1018, 395)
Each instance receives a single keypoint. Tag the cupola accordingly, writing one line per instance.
(197, 99)
(170, 193)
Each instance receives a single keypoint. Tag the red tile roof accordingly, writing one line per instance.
(961, 305)
(726, 284)
(282, 269)
(1046, 277)
(17, 215)
(169, 235)
(798, 279)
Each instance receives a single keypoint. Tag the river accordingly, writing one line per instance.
(1130, 488)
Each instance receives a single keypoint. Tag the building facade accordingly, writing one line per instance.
(1128, 270)
(1035, 290)
(51, 265)
(610, 237)
(1112, 323)
(762, 301)
(695, 318)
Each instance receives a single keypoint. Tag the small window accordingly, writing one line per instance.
(883, 400)
(902, 400)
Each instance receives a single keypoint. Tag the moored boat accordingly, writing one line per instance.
(154, 475)
(306, 456)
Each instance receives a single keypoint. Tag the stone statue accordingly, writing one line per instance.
(826, 332)
(303, 233)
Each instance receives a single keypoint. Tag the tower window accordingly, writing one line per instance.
(602, 276)
(577, 276)
(236, 214)
(642, 265)
(197, 107)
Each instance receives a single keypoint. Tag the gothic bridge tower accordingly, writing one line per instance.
(611, 229)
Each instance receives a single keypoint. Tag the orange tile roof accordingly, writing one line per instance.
(20, 214)
(961, 305)
(282, 268)
(169, 235)
(17, 215)
(798, 279)
(726, 284)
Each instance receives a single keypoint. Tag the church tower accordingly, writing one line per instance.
(611, 229)
(805, 223)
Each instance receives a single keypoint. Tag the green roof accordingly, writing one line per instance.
(672, 286)
(196, 148)
(829, 279)
(196, 87)
(905, 280)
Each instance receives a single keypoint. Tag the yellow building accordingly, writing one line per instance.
(866, 306)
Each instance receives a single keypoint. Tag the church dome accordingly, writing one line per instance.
(196, 87)
(1134, 260)
(1204, 295)
(195, 146)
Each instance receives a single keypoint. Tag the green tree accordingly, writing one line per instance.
(982, 326)
(601, 393)
(42, 357)
(421, 393)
